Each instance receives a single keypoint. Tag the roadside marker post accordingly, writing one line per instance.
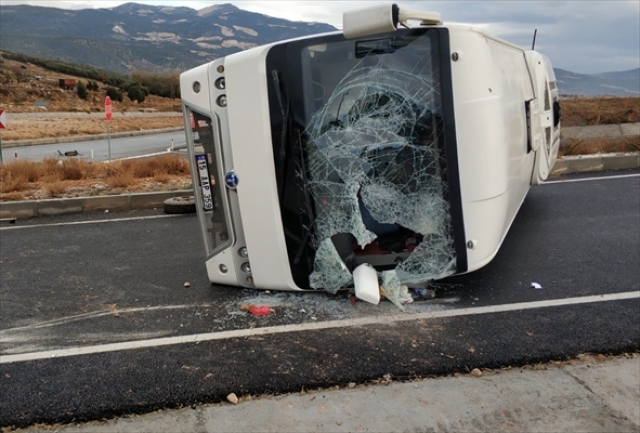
(3, 123)
(108, 112)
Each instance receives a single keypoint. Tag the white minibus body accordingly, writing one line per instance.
(409, 150)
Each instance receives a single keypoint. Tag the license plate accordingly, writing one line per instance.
(205, 185)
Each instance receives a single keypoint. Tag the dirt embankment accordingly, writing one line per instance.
(22, 85)
(26, 88)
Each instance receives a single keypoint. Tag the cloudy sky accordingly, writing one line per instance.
(585, 36)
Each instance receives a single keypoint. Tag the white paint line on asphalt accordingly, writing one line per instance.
(314, 326)
(148, 155)
(97, 314)
(589, 179)
(75, 223)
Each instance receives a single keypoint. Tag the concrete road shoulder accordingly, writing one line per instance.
(126, 202)
(581, 164)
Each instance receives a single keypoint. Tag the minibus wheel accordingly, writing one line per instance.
(177, 205)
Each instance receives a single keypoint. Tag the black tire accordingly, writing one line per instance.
(177, 205)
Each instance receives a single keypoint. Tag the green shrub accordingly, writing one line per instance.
(114, 94)
(166, 85)
(137, 93)
(82, 90)
(93, 86)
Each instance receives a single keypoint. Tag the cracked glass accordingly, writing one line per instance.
(365, 135)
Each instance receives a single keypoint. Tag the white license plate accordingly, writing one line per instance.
(205, 185)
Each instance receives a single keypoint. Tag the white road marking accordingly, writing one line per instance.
(588, 179)
(75, 223)
(101, 313)
(165, 152)
(313, 326)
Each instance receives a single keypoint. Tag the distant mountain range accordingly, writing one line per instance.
(158, 38)
(142, 37)
(625, 83)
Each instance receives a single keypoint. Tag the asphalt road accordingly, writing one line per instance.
(120, 147)
(95, 319)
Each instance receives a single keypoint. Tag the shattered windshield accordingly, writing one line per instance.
(359, 146)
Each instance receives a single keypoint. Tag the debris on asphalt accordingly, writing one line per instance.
(114, 309)
(365, 280)
(190, 368)
(423, 292)
(68, 153)
(232, 398)
(476, 372)
(257, 310)
(536, 286)
(316, 306)
(187, 284)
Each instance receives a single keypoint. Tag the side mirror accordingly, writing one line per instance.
(383, 19)
(370, 21)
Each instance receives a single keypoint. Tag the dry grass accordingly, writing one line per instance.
(122, 179)
(161, 177)
(12, 196)
(75, 177)
(56, 189)
(572, 147)
(600, 111)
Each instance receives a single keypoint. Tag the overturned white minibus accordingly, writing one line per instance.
(405, 150)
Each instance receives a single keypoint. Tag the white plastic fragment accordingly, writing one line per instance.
(536, 286)
(365, 279)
